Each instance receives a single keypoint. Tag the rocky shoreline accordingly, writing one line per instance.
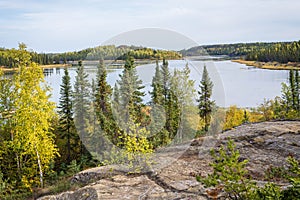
(265, 145)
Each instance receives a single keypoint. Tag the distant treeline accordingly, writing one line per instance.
(7, 58)
(279, 52)
(282, 52)
(109, 52)
(232, 50)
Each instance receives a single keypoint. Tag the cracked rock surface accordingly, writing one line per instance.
(265, 145)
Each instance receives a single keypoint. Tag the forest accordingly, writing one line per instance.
(279, 52)
(282, 52)
(42, 144)
(109, 52)
(94, 124)
(10, 62)
(231, 50)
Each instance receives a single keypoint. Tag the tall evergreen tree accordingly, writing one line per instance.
(205, 103)
(293, 87)
(172, 114)
(291, 93)
(166, 76)
(183, 89)
(297, 91)
(157, 96)
(66, 120)
(175, 94)
(131, 94)
(157, 112)
(103, 105)
(116, 98)
(287, 100)
(81, 105)
(169, 101)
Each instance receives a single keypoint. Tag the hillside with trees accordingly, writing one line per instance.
(278, 52)
(231, 50)
(282, 52)
(108, 52)
(112, 52)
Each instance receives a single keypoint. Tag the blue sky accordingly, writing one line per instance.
(57, 25)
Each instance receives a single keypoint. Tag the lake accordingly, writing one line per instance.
(234, 83)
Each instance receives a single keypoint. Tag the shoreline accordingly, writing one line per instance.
(111, 64)
(42, 66)
(269, 65)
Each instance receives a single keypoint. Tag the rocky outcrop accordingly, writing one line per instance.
(264, 144)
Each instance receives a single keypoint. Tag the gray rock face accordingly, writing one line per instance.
(264, 145)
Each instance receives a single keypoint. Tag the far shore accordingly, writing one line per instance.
(42, 66)
(269, 65)
(111, 64)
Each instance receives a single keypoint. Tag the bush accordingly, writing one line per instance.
(293, 176)
(229, 175)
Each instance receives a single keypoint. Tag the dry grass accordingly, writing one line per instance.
(269, 65)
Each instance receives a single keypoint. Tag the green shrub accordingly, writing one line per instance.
(230, 175)
(73, 168)
(293, 192)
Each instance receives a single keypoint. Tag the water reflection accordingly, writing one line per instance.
(48, 72)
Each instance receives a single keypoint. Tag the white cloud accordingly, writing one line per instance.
(66, 25)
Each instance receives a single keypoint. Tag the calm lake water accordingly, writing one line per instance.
(234, 83)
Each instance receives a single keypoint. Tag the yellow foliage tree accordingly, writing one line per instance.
(31, 139)
(137, 150)
(234, 117)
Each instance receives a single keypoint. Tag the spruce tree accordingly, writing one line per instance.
(290, 94)
(81, 104)
(130, 93)
(166, 76)
(287, 100)
(116, 98)
(173, 114)
(66, 121)
(157, 95)
(184, 92)
(169, 102)
(205, 103)
(293, 88)
(297, 91)
(157, 111)
(102, 103)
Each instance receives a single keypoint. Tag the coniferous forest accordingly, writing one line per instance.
(282, 52)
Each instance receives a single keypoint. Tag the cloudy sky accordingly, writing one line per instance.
(67, 25)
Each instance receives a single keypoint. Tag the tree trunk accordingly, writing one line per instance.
(40, 167)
